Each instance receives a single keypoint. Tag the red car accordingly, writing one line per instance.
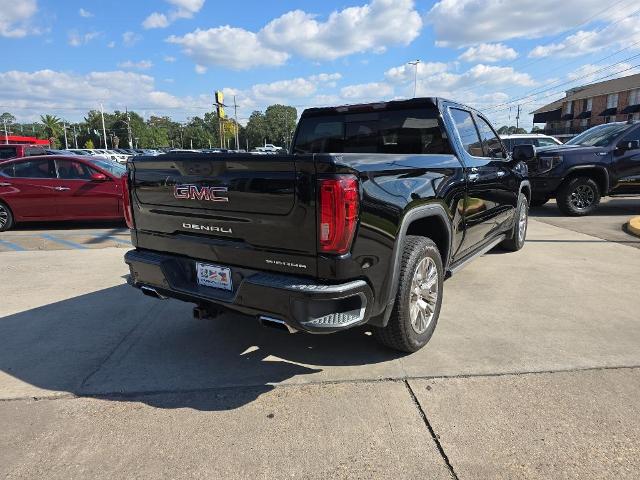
(8, 151)
(44, 188)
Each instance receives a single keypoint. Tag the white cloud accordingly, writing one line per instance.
(76, 39)
(156, 20)
(372, 27)
(231, 47)
(169, 59)
(183, 9)
(589, 73)
(405, 73)
(199, 69)
(367, 91)
(476, 86)
(488, 52)
(622, 33)
(31, 93)
(129, 39)
(141, 65)
(469, 22)
(85, 13)
(111, 44)
(15, 18)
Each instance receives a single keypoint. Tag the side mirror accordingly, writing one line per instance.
(628, 145)
(98, 177)
(523, 153)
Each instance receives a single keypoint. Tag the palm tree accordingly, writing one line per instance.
(52, 125)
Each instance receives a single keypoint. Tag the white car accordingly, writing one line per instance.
(535, 139)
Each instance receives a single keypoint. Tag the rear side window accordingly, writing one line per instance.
(34, 169)
(545, 142)
(8, 152)
(411, 131)
(467, 130)
(30, 152)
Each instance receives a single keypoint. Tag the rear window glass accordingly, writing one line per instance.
(29, 152)
(8, 152)
(412, 131)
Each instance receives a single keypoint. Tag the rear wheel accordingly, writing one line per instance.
(579, 196)
(6, 217)
(419, 297)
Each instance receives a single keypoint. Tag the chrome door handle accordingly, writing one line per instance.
(61, 189)
(5, 184)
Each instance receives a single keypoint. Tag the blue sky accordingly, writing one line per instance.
(168, 56)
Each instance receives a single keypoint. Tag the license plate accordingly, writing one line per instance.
(214, 276)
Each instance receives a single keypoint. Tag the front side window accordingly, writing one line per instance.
(467, 131)
(599, 136)
(34, 169)
(490, 141)
(545, 142)
(72, 170)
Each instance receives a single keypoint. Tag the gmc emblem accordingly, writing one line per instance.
(194, 192)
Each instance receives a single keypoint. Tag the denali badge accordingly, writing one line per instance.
(207, 228)
(194, 192)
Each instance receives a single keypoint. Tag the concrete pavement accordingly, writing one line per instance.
(131, 376)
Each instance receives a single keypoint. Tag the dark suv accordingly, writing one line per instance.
(604, 160)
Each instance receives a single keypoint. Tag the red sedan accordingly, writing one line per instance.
(44, 188)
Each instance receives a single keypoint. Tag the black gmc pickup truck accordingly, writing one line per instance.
(360, 223)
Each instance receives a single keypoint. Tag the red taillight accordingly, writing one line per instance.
(126, 201)
(338, 213)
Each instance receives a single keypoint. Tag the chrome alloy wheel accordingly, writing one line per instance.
(522, 223)
(4, 216)
(582, 197)
(424, 295)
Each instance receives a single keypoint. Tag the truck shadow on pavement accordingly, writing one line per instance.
(118, 345)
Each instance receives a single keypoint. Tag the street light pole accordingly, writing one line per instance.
(104, 130)
(415, 63)
(6, 135)
(66, 143)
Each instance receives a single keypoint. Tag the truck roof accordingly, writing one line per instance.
(379, 106)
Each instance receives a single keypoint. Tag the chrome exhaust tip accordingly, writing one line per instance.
(152, 292)
(276, 324)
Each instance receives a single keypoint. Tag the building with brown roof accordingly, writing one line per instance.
(614, 100)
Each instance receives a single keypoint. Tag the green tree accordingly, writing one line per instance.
(256, 129)
(537, 129)
(89, 144)
(52, 128)
(280, 122)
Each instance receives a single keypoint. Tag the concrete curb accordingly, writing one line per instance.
(633, 226)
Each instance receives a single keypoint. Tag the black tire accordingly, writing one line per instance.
(538, 202)
(517, 238)
(400, 333)
(578, 196)
(6, 217)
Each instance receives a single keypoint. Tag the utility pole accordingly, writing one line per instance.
(75, 137)
(104, 130)
(129, 127)
(66, 143)
(415, 63)
(518, 118)
(235, 113)
(6, 135)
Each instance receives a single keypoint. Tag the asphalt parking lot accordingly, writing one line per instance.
(533, 372)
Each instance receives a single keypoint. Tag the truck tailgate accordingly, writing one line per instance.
(254, 211)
